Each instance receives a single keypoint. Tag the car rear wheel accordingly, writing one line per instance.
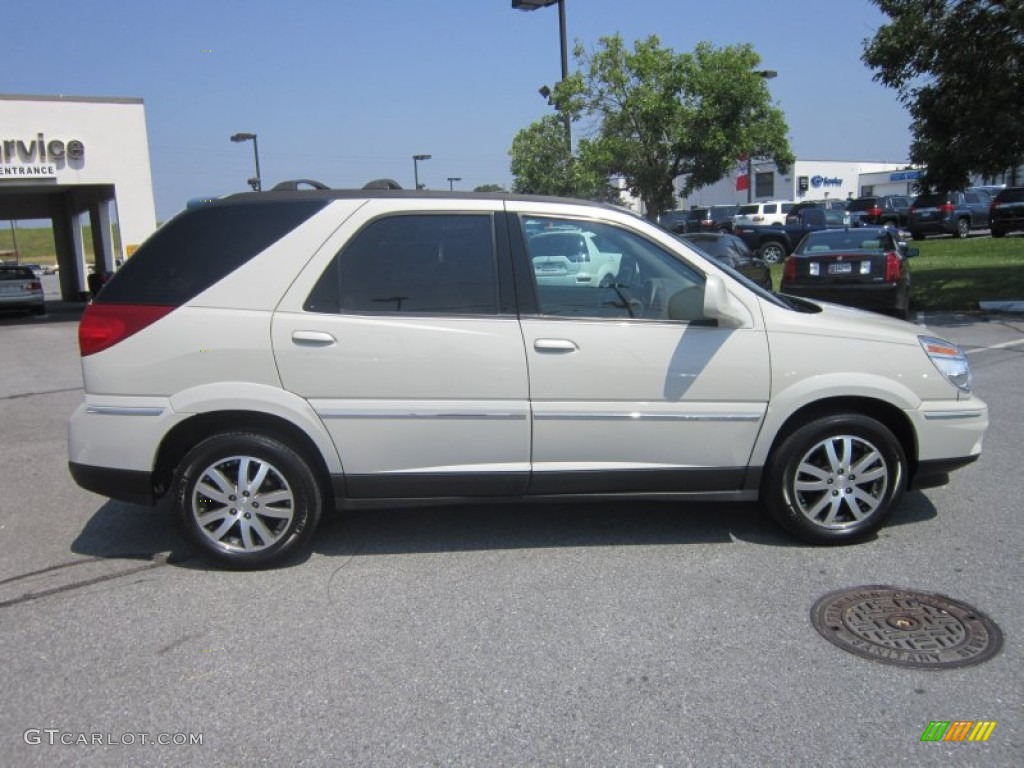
(836, 479)
(247, 500)
(772, 252)
(963, 228)
(998, 232)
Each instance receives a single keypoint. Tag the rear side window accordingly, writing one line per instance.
(746, 210)
(198, 248)
(431, 263)
(771, 208)
(16, 273)
(930, 201)
(861, 204)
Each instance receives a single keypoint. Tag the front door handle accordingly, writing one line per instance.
(561, 346)
(312, 339)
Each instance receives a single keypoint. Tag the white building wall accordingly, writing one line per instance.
(116, 150)
(825, 179)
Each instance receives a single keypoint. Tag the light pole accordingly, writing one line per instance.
(416, 168)
(533, 5)
(255, 181)
(767, 74)
(451, 182)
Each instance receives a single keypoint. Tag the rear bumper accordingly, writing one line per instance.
(123, 484)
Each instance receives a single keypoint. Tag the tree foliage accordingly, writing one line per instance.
(489, 188)
(543, 164)
(958, 66)
(650, 115)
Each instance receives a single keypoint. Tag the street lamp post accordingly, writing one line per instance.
(255, 182)
(416, 168)
(451, 182)
(533, 5)
(767, 74)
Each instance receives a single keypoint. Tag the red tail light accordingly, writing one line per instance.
(893, 267)
(947, 208)
(789, 269)
(104, 325)
(35, 285)
(874, 212)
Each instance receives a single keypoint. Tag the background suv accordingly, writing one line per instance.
(949, 213)
(269, 356)
(1007, 211)
(717, 218)
(879, 210)
(763, 213)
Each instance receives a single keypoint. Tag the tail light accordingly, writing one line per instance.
(947, 208)
(789, 269)
(893, 267)
(104, 325)
(35, 285)
(874, 212)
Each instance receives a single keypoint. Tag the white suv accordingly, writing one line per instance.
(771, 212)
(271, 355)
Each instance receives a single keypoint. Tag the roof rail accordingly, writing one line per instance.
(293, 185)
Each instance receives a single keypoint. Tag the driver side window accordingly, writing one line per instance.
(590, 269)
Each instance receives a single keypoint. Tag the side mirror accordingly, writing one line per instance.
(716, 303)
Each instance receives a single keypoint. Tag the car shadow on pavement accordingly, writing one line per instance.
(121, 531)
(543, 525)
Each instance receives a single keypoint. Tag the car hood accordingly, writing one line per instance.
(843, 322)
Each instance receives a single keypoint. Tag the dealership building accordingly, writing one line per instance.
(77, 160)
(807, 180)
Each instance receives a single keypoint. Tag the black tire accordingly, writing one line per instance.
(772, 252)
(918, 235)
(259, 522)
(842, 510)
(963, 228)
(998, 232)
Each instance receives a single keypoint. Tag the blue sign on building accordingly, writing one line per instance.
(905, 176)
(826, 181)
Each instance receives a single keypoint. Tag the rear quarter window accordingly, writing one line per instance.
(199, 247)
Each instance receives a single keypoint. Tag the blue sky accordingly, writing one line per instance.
(345, 91)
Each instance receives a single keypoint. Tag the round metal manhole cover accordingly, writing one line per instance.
(905, 627)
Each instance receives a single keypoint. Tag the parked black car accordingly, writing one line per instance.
(716, 218)
(733, 252)
(1006, 213)
(673, 221)
(948, 213)
(864, 267)
(879, 210)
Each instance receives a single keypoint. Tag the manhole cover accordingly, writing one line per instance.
(904, 627)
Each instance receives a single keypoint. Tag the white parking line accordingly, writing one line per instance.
(1004, 345)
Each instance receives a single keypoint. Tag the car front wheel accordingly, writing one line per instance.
(836, 479)
(963, 228)
(247, 500)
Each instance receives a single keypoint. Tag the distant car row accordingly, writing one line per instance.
(952, 213)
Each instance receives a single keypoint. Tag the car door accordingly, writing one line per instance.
(402, 335)
(632, 389)
(978, 203)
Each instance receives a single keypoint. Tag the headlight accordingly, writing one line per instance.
(949, 359)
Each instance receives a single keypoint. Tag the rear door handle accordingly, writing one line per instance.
(561, 346)
(312, 339)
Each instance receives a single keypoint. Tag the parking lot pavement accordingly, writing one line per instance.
(573, 634)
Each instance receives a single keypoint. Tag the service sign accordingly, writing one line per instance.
(38, 158)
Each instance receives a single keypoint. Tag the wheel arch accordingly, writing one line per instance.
(887, 414)
(193, 430)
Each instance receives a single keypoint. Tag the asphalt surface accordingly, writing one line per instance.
(575, 634)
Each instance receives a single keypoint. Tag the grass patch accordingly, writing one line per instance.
(35, 244)
(951, 274)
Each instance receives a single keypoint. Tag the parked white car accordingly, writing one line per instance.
(269, 356)
(770, 212)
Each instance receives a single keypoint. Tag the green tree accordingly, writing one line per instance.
(958, 66)
(542, 164)
(650, 115)
(489, 188)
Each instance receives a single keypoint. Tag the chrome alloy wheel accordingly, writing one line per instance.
(840, 481)
(242, 504)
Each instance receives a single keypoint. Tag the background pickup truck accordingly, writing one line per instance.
(774, 242)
